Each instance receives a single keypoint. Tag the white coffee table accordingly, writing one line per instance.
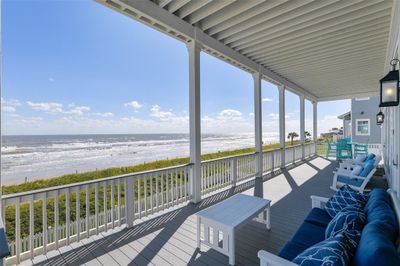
(221, 220)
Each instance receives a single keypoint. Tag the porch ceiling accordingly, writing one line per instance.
(326, 49)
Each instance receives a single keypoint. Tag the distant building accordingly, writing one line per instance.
(334, 133)
(359, 124)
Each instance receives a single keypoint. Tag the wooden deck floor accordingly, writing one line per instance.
(170, 239)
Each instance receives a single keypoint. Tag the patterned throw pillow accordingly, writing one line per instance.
(332, 251)
(344, 197)
(348, 219)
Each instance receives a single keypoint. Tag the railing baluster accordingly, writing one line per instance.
(17, 230)
(105, 206)
(167, 188)
(162, 190)
(176, 187)
(139, 181)
(119, 201)
(56, 217)
(172, 187)
(31, 226)
(67, 216)
(87, 201)
(151, 193)
(145, 194)
(78, 214)
(44, 222)
(157, 193)
(112, 203)
(96, 207)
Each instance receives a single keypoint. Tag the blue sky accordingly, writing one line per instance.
(76, 67)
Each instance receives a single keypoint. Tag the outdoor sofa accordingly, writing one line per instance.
(369, 239)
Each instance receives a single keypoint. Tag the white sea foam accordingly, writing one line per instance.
(43, 157)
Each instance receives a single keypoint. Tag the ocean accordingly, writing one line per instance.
(33, 157)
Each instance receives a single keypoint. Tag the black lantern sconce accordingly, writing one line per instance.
(390, 87)
(380, 118)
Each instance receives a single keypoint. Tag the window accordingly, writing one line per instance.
(362, 127)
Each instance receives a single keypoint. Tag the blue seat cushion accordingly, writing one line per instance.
(344, 197)
(349, 218)
(291, 249)
(309, 234)
(370, 157)
(350, 181)
(377, 194)
(367, 169)
(332, 251)
(375, 248)
(319, 217)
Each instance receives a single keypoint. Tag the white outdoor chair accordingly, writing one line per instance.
(344, 177)
(350, 163)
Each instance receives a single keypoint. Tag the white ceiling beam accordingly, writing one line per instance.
(252, 25)
(191, 7)
(161, 16)
(312, 11)
(324, 39)
(174, 5)
(208, 10)
(362, 50)
(163, 3)
(245, 16)
(333, 47)
(316, 26)
(230, 11)
(347, 95)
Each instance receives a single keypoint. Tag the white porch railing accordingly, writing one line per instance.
(69, 213)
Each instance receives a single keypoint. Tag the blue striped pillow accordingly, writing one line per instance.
(332, 251)
(344, 197)
(348, 219)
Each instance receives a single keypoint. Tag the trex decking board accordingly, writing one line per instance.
(170, 239)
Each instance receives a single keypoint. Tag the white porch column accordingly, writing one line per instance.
(315, 125)
(302, 126)
(194, 49)
(282, 133)
(258, 123)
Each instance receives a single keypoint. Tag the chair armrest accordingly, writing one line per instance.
(4, 248)
(267, 258)
(318, 202)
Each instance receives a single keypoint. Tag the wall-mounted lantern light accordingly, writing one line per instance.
(390, 87)
(380, 118)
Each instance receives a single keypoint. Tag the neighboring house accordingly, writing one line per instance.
(333, 134)
(360, 123)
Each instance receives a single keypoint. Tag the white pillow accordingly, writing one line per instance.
(357, 170)
(360, 158)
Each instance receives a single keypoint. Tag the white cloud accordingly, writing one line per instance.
(251, 114)
(50, 107)
(134, 104)
(156, 112)
(107, 114)
(79, 110)
(267, 100)
(51, 79)
(230, 114)
(8, 109)
(9, 106)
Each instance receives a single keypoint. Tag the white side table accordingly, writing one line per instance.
(221, 220)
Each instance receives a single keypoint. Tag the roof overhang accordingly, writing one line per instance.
(324, 50)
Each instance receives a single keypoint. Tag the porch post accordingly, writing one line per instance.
(315, 124)
(282, 133)
(302, 126)
(258, 133)
(194, 49)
